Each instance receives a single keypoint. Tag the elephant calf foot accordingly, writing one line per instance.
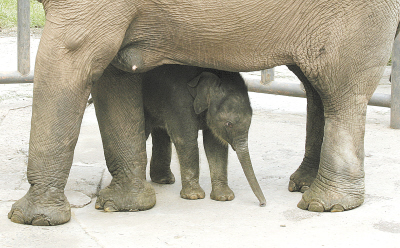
(222, 193)
(41, 207)
(162, 177)
(136, 195)
(328, 198)
(192, 191)
(302, 178)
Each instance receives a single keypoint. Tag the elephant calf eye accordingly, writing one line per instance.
(229, 124)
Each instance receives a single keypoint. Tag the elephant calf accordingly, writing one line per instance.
(181, 100)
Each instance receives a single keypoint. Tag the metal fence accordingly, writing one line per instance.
(265, 84)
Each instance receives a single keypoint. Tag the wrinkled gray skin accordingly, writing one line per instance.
(181, 100)
(337, 48)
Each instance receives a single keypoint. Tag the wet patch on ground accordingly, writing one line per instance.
(298, 215)
(388, 226)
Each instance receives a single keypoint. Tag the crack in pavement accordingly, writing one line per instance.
(12, 109)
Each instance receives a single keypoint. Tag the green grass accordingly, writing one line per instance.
(8, 14)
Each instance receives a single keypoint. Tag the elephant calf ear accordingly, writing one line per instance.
(200, 87)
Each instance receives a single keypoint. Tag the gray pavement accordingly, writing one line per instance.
(276, 146)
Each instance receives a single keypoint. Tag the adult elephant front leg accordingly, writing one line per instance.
(78, 42)
(119, 108)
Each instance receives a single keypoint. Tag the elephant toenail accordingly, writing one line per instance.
(40, 220)
(304, 189)
(316, 207)
(337, 208)
(302, 204)
(109, 207)
(292, 186)
(10, 214)
(98, 205)
(16, 216)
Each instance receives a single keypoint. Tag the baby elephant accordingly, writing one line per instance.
(181, 100)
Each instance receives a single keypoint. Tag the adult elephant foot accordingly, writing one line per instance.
(222, 193)
(162, 177)
(302, 178)
(323, 197)
(192, 191)
(136, 195)
(41, 207)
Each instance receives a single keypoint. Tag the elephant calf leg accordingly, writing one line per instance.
(188, 153)
(160, 170)
(217, 156)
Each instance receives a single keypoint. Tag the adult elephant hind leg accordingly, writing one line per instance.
(303, 177)
(160, 164)
(339, 184)
(119, 109)
(346, 75)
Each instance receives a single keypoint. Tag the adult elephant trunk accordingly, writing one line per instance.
(242, 150)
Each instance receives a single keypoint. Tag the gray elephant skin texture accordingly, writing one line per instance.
(338, 49)
(181, 100)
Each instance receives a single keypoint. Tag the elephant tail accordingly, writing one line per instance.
(90, 102)
(398, 23)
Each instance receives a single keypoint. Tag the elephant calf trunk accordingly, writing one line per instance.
(242, 152)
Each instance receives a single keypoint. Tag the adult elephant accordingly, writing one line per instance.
(337, 48)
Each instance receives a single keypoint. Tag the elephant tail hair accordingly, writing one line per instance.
(89, 102)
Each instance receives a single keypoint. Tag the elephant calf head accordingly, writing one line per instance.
(227, 103)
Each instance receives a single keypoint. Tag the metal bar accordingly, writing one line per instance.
(253, 84)
(23, 38)
(395, 78)
(380, 100)
(293, 89)
(278, 88)
(14, 77)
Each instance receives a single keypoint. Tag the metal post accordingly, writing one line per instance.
(23, 37)
(395, 99)
(267, 76)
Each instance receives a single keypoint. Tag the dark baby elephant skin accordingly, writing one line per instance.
(181, 100)
(338, 49)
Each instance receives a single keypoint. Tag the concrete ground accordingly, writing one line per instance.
(276, 146)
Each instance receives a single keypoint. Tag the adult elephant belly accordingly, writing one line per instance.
(136, 60)
(259, 37)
